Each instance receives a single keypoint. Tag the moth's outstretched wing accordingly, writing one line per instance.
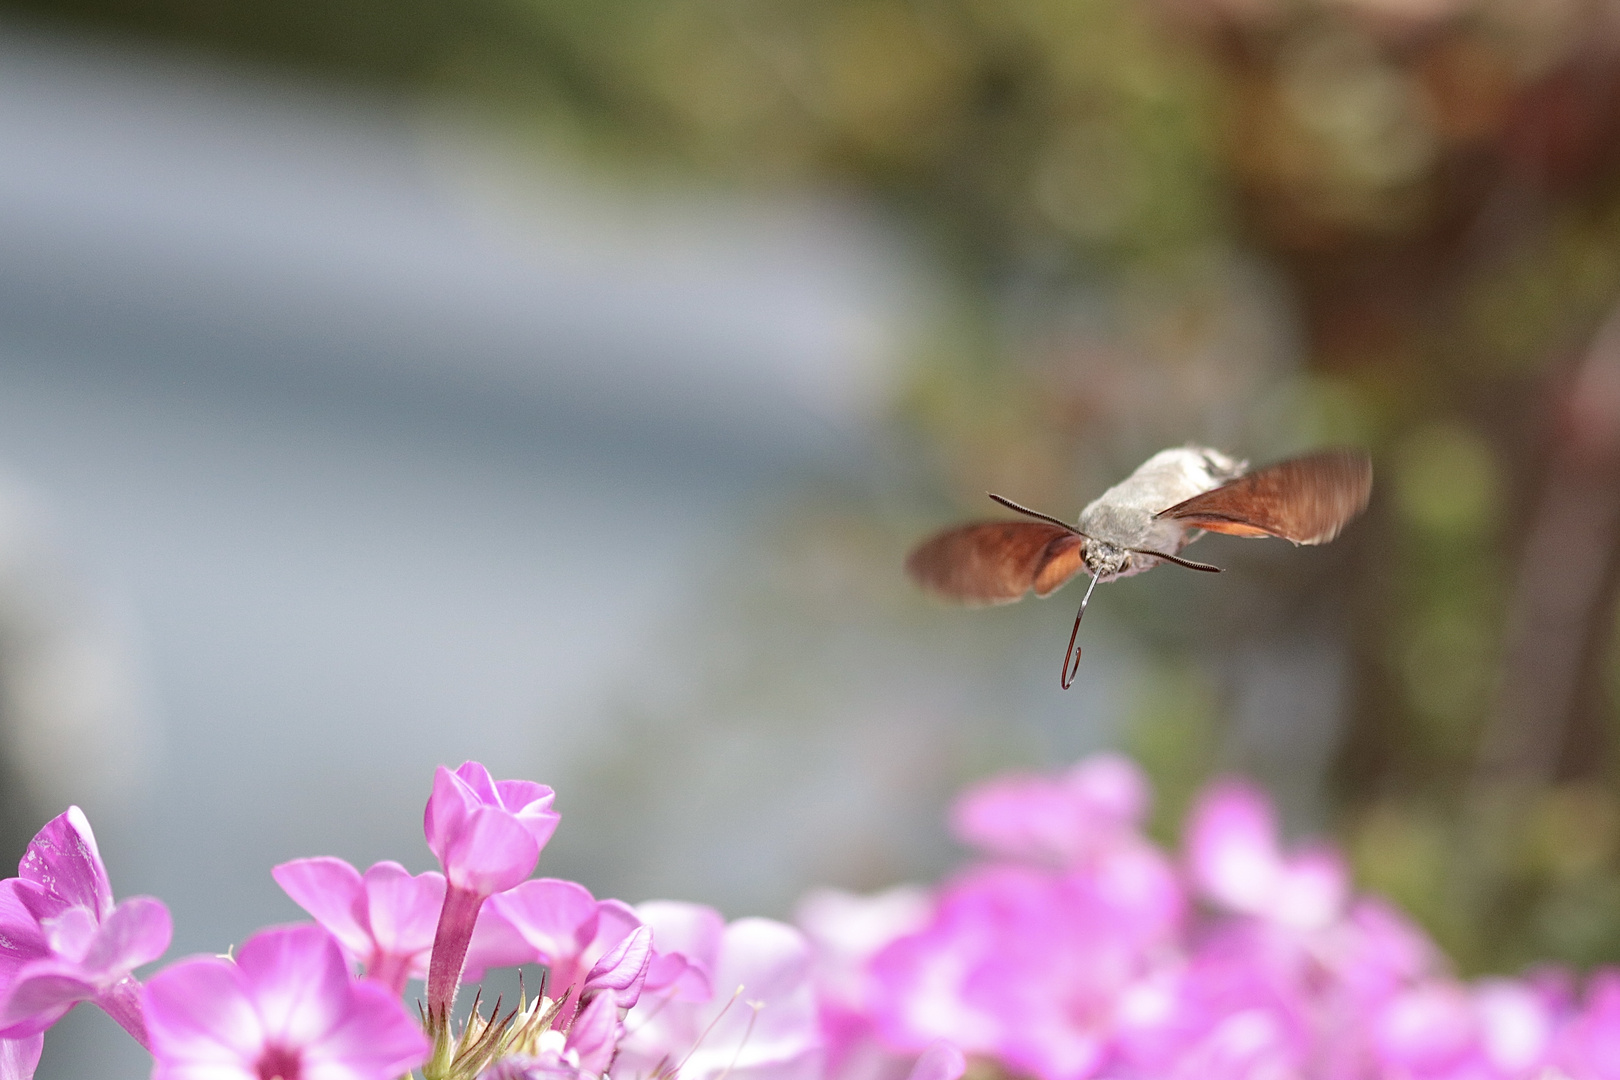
(995, 562)
(1307, 499)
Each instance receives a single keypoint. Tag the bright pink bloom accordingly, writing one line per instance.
(1236, 860)
(285, 1007)
(488, 837)
(63, 940)
(587, 945)
(384, 921)
(1060, 819)
(487, 834)
(760, 1025)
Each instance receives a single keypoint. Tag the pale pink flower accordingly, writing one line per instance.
(760, 1024)
(384, 920)
(285, 1007)
(1062, 819)
(1236, 860)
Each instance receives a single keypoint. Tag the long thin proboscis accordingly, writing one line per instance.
(1071, 652)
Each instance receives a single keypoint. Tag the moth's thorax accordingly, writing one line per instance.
(1122, 517)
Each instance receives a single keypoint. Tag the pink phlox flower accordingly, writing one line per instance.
(1241, 1007)
(847, 931)
(487, 834)
(1237, 861)
(384, 920)
(1030, 965)
(587, 945)
(1061, 819)
(1495, 1029)
(488, 837)
(1376, 951)
(1587, 1046)
(286, 1007)
(760, 1024)
(63, 940)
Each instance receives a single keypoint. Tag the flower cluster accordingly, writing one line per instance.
(1075, 948)
(655, 992)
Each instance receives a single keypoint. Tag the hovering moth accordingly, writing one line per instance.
(1172, 499)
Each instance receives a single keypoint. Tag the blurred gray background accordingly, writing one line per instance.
(338, 443)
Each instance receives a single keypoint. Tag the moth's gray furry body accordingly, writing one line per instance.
(1122, 517)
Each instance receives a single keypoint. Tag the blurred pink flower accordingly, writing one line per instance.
(760, 1024)
(285, 1007)
(1071, 953)
(846, 932)
(1031, 965)
(1060, 819)
(487, 836)
(384, 921)
(1588, 1047)
(63, 940)
(1236, 860)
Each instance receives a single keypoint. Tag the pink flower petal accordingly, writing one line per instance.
(621, 971)
(63, 860)
(137, 932)
(22, 939)
(42, 995)
(1232, 844)
(496, 943)
(20, 1057)
(330, 890)
(1311, 890)
(693, 930)
(1426, 1028)
(403, 910)
(594, 1035)
(1516, 1026)
(374, 1037)
(556, 918)
(298, 979)
(198, 1013)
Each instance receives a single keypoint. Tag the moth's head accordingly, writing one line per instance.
(1104, 560)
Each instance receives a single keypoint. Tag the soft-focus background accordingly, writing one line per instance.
(561, 384)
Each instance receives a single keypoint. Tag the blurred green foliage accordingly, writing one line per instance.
(1249, 222)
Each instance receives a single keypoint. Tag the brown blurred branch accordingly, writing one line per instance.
(1558, 618)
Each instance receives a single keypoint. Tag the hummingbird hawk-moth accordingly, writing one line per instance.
(1172, 499)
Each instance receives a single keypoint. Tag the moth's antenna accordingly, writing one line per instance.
(1071, 651)
(1009, 504)
(1188, 563)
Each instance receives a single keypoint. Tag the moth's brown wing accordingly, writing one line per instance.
(1307, 499)
(995, 562)
(1061, 562)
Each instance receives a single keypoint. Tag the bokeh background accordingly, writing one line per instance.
(560, 383)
